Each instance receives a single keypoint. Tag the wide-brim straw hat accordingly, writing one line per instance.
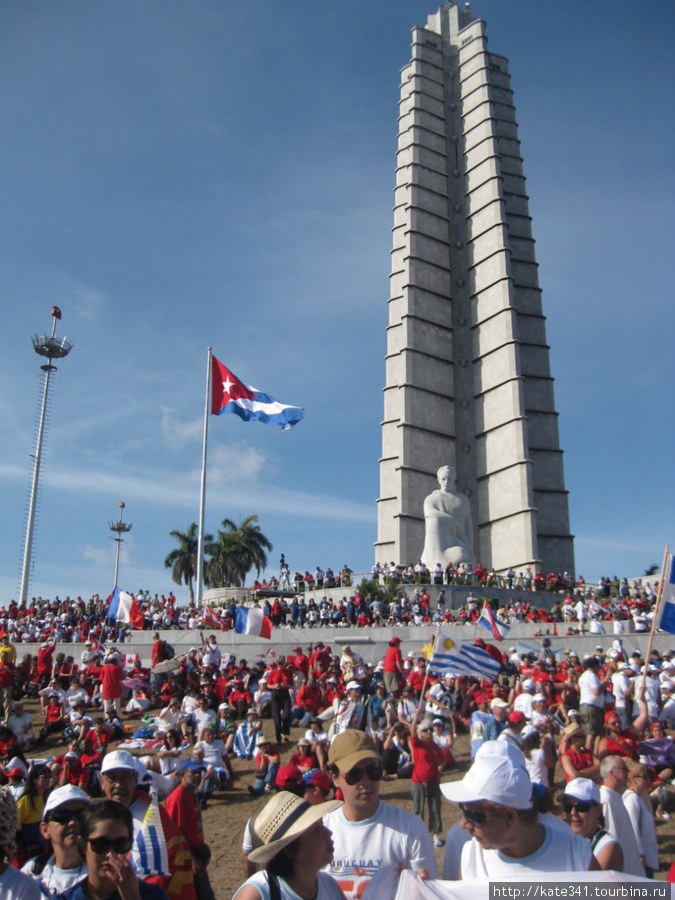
(281, 821)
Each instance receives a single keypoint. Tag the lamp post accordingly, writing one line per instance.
(119, 528)
(51, 348)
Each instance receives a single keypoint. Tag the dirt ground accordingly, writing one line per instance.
(228, 812)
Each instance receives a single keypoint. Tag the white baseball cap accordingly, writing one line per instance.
(353, 686)
(119, 759)
(497, 779)
(583, 789)
(497, 701)
(64, 795)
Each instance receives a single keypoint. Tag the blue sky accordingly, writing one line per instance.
(179, 175)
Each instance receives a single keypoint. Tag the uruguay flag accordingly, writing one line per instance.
(457, 658)
(230, 395)
(123, 608)
(667, 622)
(495, 627)
(250, 620)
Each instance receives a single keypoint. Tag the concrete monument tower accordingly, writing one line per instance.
(468, 382)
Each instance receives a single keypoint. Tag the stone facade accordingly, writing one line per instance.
(468, 380)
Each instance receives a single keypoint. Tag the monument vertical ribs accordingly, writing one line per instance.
(468, 380)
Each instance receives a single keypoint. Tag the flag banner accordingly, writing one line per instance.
(149, 855)
(667, 622)
(210, 618)
(458, 658)
(412, 887)
(230, 395)
(496, 628)
(123, 608)
(252, 621)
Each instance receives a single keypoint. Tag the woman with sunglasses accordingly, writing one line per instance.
(106, 836)
(583, 813)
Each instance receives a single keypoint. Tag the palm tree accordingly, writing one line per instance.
(183, 561)
(237, 550)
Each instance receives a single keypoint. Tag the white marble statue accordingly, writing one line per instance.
(448, 529)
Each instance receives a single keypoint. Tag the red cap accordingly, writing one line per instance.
(395, 640)
(517, 716)
(288, 776)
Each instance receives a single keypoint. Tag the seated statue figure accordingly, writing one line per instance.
(448, 527)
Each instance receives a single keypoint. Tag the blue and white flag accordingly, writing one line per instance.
(457, 658)
(230, 395)
(497, 629)
(667, 622)
(149, 854)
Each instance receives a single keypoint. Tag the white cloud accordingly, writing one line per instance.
(175, 431)
(88, 301)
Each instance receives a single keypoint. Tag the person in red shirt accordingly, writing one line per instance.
(156, 657)
(301, 662)
(417, 676)
(240, 700)
(307, 703)
(393, 672)
(304, 759)
(112, 676)
(280, 683)
(7, 676)
(429, 760)
(45, 660)
(184, 811)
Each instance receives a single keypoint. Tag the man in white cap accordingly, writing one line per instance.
(64, 867)
(498, 722)
(370, 838)
(160, 853)
(349, 711)
(495, 798)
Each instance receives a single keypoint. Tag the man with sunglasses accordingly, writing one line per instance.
(63, 867)
(370, 837)
(160, 854)
(614, 773)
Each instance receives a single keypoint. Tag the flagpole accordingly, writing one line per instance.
(200, 547)
(657, 605)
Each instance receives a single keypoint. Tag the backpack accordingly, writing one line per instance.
(168, 650)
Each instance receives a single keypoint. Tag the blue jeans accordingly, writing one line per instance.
(268, 778)
(300, 714)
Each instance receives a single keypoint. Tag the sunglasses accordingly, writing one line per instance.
(582, 806)
(474, 816)
(63, 816)
(374, 772)
(104, 845)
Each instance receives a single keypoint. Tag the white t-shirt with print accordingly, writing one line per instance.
(363, 849)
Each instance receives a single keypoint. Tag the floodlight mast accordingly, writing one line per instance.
(119, 528)
(52, 348)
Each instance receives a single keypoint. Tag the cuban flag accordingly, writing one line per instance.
(457, 658)
(250, 620)
(667, 622)
(488, 621)
(230, 395)
(123, 608)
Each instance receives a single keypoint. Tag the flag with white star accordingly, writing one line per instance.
(230, 395)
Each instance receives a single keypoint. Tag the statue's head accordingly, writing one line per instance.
(447, 477)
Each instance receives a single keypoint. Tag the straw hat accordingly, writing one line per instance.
(283, 820)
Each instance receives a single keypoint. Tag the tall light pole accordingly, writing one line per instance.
(52, 348)
(119, 528)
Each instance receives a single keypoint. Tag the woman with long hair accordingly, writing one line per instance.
(31, 808)
(170, 753)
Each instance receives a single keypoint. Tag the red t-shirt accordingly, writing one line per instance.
(427, 757)
(112, 677)
(182, 806)
(391, 657)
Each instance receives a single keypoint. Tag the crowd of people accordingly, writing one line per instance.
(102, 796)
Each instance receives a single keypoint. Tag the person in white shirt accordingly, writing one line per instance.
(508, 837)
(63, 866)
(592, 697)
(371, 839)
(639, 809)
(614, 772)
(622, 689)
(20, 724)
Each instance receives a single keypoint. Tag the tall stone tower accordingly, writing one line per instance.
(468, 380)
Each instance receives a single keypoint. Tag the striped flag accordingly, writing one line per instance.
(667, 622)
(457, 658)
(149, 855)
(496, 628)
